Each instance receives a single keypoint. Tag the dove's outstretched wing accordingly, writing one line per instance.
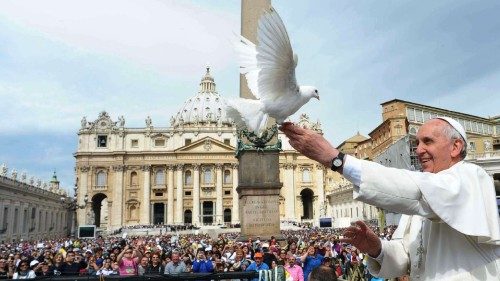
(269, 67)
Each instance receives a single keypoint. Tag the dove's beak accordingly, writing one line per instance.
(317, 97)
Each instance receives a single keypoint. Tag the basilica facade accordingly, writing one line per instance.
(186, 173)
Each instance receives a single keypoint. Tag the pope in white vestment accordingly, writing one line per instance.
(451, 227)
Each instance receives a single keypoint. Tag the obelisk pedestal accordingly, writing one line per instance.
(258, 191)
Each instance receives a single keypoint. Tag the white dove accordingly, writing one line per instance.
(269, 69)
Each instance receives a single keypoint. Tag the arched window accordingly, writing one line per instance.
(188, 179)
(227, 176)
(306, 175)
(101, 178)
(207, 175)
(160, 177)
(133, 179)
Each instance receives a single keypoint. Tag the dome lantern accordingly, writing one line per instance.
(207, 108)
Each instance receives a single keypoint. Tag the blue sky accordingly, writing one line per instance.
(62, 60)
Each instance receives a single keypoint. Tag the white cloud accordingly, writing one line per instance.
(173, 37)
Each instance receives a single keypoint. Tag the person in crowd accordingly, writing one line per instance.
(4, 270)
(47, 255)
(247, 252)
(143, 266)
(107, 268)
(176, 265)
(201, 264)
(282, 258)
(24, 271)
(450, 230)
(322, 273)
(58, 262)
(357, 270)
(113, 256)
(311, 259)
(257, 265)
(155, 266)
(240, 261)
(11, 267)
(128, 261)
(73, 264)
(268, 257)
(92, 267)
(293, 268)
(45, 269)
(98, 256)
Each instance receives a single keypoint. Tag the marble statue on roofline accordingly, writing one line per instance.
(84, 122)
(3, 171)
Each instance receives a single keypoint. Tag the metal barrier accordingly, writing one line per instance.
(170, 277)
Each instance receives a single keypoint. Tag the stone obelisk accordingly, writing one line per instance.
(258, 174)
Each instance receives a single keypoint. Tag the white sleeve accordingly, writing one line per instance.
(462, 196)
(392, 262)
(352, 170)
(393, 189)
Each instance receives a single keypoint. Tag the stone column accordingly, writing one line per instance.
(196, 194)
(82, 191)
(218, 191)
(151, 210)
(146, 195)
(118, 213)
(179, 208)
(11, 230)
(2, 209)
(110, 213)
(235, 213)
(321, 192)
(38, 218)
(24, 221)
(170, 194)
(289, 192)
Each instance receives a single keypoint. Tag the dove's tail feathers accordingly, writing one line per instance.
(247, 112)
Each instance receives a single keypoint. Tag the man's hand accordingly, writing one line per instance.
(363, 238)
(309, 143)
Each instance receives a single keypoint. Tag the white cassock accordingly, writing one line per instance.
(450, 230)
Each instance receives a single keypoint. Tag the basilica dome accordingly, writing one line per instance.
(206, 108)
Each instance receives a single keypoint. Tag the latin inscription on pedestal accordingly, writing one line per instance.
(260, 215)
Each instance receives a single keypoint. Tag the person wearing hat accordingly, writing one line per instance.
(24, 271)
(257, 265)
(450, 230)
(268, 257)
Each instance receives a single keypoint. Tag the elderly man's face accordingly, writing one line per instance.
(435, 151)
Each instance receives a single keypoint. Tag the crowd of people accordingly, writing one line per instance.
(172, 253)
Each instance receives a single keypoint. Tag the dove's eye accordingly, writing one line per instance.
(316, 91)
